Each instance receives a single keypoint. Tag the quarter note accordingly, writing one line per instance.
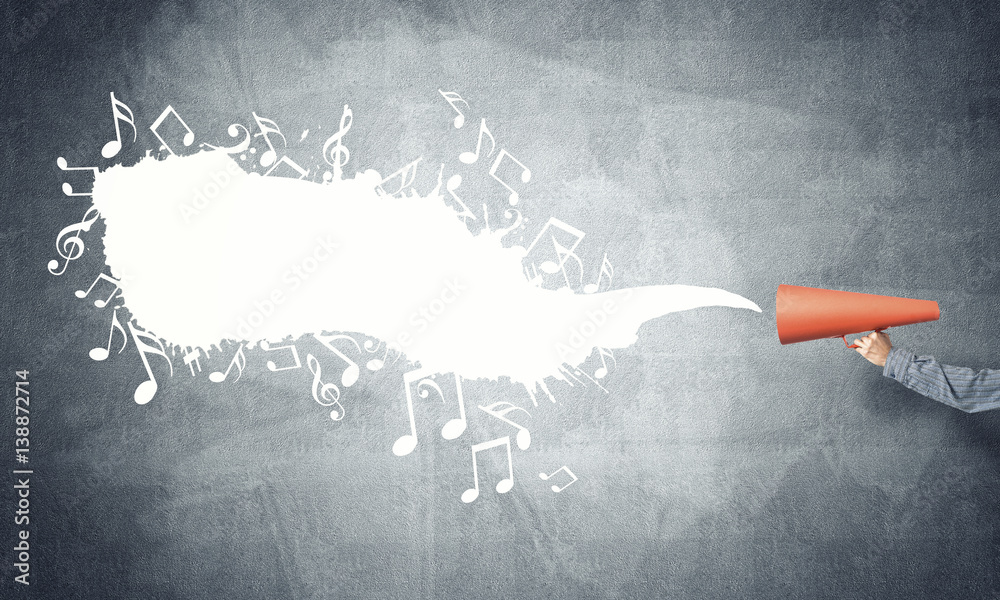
(453, 99)
(147, 389)
(271, 366)
(169, 110)
(556, 488)
(268, 126)
(525, 174)
(114, 146)
(239, 361)
(69, 245)
(100, 303)
(471, 157)
(326, 394)
(500, 410)
(504, 485)
(67, 188)
(102, 353)
(606, 269)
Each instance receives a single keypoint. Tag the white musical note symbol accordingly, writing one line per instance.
(451, 430)
(406, 175)
(471, 157)
(147, 389)
(453, 182)
(376, 364)
(268, 126)
(114, 146)
(266, 347)
(284, 160)
(499, 410)
(66, 187)
(525, 175)
(562, 252)
(234, 131)
(325, 394)
(191, 359)
(100, 303)
(338, 156)
(504, 485)
(352, 372)
(453, 99)
(69, 246)
(556, 488)
(606, 268)
(239, 361)
(169, 110)
(102, 353)
(602, 371)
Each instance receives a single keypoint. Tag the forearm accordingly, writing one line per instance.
(963, 388)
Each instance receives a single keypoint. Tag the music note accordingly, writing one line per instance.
(338, 156)
(352, 372)
(234, 131)
(270, 364)
(499, 410)
(453, 182)
(71, 248)
(453, 99)
(325, 394)
(376, 364)
(239, 361)
(606, 268)
(525, 174)
(114, 146)
(603, 369)
(504, 485)
(100, 303)
(147, 389)
(563, 253)
(556, 488)
(66, 187)
(284, 160)
(192, 358)
(169, 110)
(102, 353)
(406, 175)
(451, 430)
(471, 157)
(268, 126)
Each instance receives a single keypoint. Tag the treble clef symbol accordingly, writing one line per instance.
(338, 156)
(326, 394)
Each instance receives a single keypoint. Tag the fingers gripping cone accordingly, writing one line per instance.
(805, 313)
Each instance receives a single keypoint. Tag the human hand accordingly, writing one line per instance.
(874, 347)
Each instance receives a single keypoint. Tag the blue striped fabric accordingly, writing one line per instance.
(960, 387)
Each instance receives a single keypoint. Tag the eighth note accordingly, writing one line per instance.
(556, 488)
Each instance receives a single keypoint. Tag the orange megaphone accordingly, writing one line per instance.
(805, 313)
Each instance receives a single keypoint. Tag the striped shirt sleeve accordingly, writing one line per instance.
(959, 387)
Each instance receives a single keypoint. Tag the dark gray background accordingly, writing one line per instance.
(847, 145)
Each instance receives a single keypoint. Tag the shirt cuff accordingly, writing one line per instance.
(897, 363)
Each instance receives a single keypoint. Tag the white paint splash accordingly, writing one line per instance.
(206, 252)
